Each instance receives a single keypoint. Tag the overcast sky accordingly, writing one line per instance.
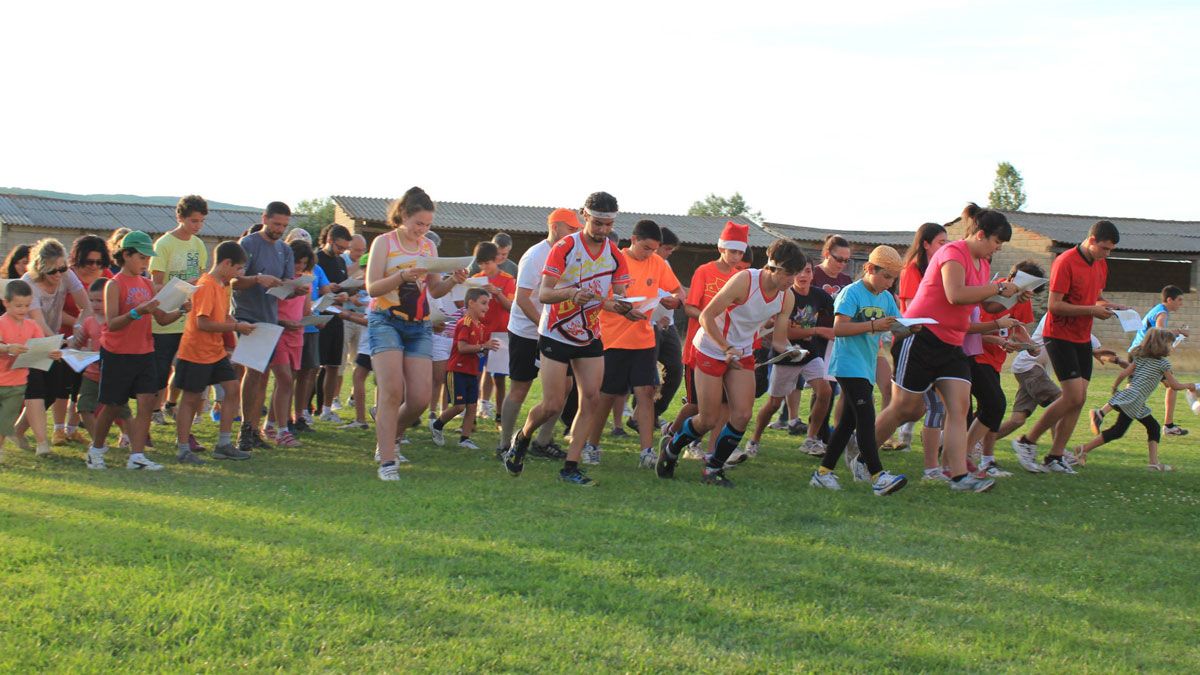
(871, 115)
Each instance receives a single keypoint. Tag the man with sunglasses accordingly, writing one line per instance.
(178, 254)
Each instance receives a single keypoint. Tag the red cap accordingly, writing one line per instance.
(734, 237)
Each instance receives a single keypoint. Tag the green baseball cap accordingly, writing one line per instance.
(139, 241)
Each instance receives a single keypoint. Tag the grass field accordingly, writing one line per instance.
(301, 560)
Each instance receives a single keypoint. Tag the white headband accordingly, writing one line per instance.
(610, 215)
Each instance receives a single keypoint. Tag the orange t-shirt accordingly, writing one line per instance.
(211, 300)
(706, 283)
(646, 277)
(13, 332)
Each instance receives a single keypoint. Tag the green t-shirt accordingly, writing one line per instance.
(178, 259)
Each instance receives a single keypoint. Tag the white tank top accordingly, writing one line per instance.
(740, 323)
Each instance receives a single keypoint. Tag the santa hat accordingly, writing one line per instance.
(734, 237)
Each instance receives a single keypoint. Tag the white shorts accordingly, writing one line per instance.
(785, 377)
(441, 347)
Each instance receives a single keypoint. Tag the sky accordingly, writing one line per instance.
(853, 115)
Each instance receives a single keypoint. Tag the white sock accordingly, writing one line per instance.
(100, 450)
(60, 427)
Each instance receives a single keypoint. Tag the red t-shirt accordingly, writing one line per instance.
(994, 355)
(496, 319)
(910, 279)
(707, 281)
(1081, 283)
(92, 332)
(471, 332)
(931, 302)
(135, 337)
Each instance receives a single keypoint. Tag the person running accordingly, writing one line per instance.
(1159, 317)
(810, 327)
(862, 310)
(724, 358)
(523, 363)
(956, 281)
(581, 272)
(1077, 280)
(400, 335)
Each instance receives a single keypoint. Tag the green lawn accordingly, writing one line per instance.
(301, 560)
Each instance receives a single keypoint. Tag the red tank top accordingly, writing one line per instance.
(135, 338)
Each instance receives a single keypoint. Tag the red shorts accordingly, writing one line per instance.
(717, 367)
(288, 350)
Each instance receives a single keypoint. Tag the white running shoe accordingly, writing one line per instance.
(777, 425)
(468, 444)
(487, 408)
(389, 472)
(813, 447)
(439, 439)
(993, 470)
(308, 418)
(828, 481)
(1027, 456)
(1059, 466)
(42, 449)
(95, 458)
(935, 475)
(693, 451)
(648, 458)
(852, 452)
(157, 418)
(591, 454)
(751, 449)
(886, 483)
(336, 405)
(141, 462)
(860, 471)
(330, 416)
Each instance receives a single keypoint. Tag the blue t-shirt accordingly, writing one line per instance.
(854, 356)
(1148, 322)
(320, 280)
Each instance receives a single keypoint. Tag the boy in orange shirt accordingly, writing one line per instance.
(502, 287)
(203, 360)
(471, 340)
(15, 330)
(630, 358)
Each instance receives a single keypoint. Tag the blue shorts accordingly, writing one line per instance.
(464, 388)
(387, 333)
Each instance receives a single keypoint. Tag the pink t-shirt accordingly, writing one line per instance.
(292, 309)
(931, 302)
(973, 342)
(13, 332)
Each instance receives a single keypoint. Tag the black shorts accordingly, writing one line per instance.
(565, 353)
(126, 376)
(333, 343)
(922, 359)
(363, 361)
(1071, 360)
(195, 377)
(464, 388)
(48, 385)
(166, 346)
(522, 358)
(310, 354)
(625, 369)
(74, 383)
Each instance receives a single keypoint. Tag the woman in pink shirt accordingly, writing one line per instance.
(956, 280)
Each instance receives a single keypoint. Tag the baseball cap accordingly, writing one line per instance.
(139, 241)
(566, 216)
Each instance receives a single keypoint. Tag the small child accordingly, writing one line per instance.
(861, 311)
(16, 328)
(503, 289)
(470, 340)
(1159, 316)
(1150, 366)
(203, 359)
(127, 351)
(285, 363)
(87, 337)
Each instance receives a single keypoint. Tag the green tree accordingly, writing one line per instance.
(730, 207)
(314, 214)
(1008, 192)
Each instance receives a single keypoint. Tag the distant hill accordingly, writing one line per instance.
(121, 199)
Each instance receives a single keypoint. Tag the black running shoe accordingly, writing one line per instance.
(665, 466)
(715, 477)
(260, 442)
(514, 460)
(575, 477)
(301, 426)
(540, 451)
(245, 441)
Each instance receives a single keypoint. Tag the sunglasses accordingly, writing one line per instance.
(57, 270)
(840, 260)
(93, 262)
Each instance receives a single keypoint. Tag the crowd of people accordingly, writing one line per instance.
(593, 321)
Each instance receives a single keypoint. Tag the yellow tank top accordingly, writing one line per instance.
(408, 301)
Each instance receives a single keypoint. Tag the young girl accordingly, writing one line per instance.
(861, 311)
(286, 361)
(1150, 366)
(87, 337)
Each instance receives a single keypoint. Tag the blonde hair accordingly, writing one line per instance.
(44, 251)
(114, 239)
(1156, 345)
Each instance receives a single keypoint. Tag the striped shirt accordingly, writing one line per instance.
(1147, 374)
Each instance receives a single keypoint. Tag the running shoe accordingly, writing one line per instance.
(330, 416)
(778, 425)
(665, 466)
(336, 405)
(59, 438)
(716, 477)
(693, 451)
(285, 439)
(229, 451)
(355, 426)
(140, 462)
(972, 483)
(813, 447)
(95, 458)
(829, 481)
(388, 471)
(194, 445)
(1174, 430)
(797, 428)
(1058, 465)
(1027, 456)
(439, 439)
(575, 477)
(514, 460)
(549, 451)
(487, 408)
(1095, 419)
(647, 459)
(936, 474)
(860, 472)
(993, 470)
(618, 432)
(591, 454)
(189, 457)
(78, 437)
(467, 444)
(157, 418)
(886, 484)
(302, 426)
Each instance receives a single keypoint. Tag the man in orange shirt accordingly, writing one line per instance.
(630, 358)
(202, 359)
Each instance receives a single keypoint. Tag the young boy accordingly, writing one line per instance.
(470, 340)
(15, 330)
(203, 360)
(1159, 316)
(127, 351)
(87, 336)
(503, 288)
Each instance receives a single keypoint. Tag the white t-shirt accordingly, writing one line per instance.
(1023, 362)
(529, 276)
(51, 304)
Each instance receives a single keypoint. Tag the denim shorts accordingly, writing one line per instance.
(387, 333)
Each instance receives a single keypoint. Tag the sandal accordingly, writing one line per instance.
(1160, 467)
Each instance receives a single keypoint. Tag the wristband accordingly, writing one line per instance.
(133, 314)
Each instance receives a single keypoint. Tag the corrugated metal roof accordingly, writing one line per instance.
(863, 237)
(1137, 234)
(497, 217)
(104, 217)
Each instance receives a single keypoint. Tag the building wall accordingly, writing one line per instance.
(14, 235)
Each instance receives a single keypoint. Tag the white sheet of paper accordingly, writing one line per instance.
(254, 350)
(352, 284)
(1131, 321)
(1026, 282)
(435, 264)
(323, 303)
(79, 360)
(475, 282)
(284, 290)
(334, 309)
(316, 319)
(915, 321)
(631, 300)
(498, 360)
(794, 354)
(38, 356)
(173, 294)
